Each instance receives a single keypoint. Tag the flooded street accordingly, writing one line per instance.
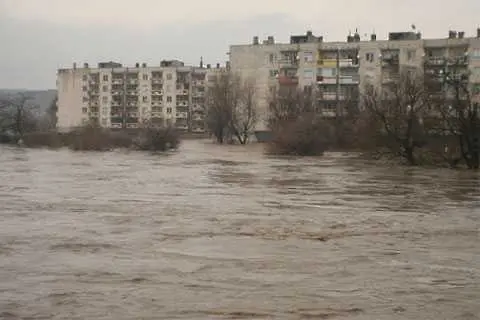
(213, 232)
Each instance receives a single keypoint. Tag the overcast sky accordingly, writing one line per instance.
(39, 36)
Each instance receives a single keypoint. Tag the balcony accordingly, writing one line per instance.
(329, 96)
(287, 80)
(117, 81)
(327, 63)
(350, 79)
(157, 81)
(198, 94)
(157, 115)
(132, 125)
(348, 63)
(116, 125)
(326, 80)
(197, 117)
(182, 103)
(132, 81)
(133, 114)
(458, 60)
(436, 60)
(132, 93)
(388, 79)
(94, 92)
(116, 104)
(287, 63)
(181, 115)
(198, 130)
(117, 93)
(157, 92)
(157, 103)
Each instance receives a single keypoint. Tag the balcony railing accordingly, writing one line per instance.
(181, 115)
(437, 60)
(117, 81)
(182, 103)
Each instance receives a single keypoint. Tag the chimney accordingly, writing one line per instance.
(478, 32)
(227, 65)
(373, 37)
(137, 65)
(452, 34)
(419, 35)
(218, 65)
(350, 38)
(74, 66)
(270, 40)
(356, 36)
(85, 65)
(209, 66)
(201, 62)
(255, 41)
(461, 34)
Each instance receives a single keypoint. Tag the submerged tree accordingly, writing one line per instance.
(231, 108)
(460, 113)
(399, 110)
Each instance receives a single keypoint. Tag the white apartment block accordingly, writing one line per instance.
(114, 96)
(338, 70)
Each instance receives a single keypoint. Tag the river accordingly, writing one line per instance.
(212, 232)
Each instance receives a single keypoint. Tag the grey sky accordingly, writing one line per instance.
(39, 36)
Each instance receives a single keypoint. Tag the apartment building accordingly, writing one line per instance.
(338, 71)
(114, 96)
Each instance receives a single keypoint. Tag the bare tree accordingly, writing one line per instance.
(244, 112)
(16, 115)
(399, 109)
(460, 114)
(288, 104)
(296, 127)
(231, 108)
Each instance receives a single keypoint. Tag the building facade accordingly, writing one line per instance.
(339, 71)
(114, 96)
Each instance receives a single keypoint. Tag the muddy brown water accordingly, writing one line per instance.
(213, 232)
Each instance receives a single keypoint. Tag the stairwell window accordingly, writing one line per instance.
(105, 77)
(169, 110)
(169, 99)
(145, 77)
(145, 99)
(369, 57)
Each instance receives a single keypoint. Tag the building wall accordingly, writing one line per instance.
(125, 97)
(261, 61)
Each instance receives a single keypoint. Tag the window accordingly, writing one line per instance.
(271, 58)
(84, 110)
(169, 76)
(169, 99)
(145, 99)
(476, 53)
(169, 88)
(145, 77)
(85, 78)
(105, 88)
(411, 55)
(144, 110)
(169, 110)
(308, 56)
(308, 74)
(273, 73)
(179, 87)
(85, 99)
(369, 57)
(104, 100)
(105, 77)
(104, 111)
(84, 88)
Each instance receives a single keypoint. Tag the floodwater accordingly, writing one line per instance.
(211, 232)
